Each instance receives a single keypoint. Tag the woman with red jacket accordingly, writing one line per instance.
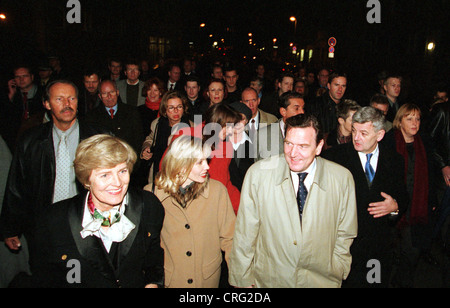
(215, 131)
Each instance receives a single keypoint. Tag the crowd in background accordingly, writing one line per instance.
(154, 108)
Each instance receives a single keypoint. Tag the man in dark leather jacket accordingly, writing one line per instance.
(31, 180)
(439, 131)
(324, 106)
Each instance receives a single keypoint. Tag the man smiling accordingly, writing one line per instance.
(41, 171)
(311, 204)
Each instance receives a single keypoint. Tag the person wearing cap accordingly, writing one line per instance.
(58, 71)
(45, 76)
(243, 156)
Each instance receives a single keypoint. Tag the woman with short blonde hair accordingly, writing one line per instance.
(403, 111)
(101, 151)
(414, 228)
(111, 230)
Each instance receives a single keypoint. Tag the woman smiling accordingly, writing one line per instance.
(113, 232)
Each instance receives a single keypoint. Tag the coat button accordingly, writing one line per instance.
(190, 281)
(188, 253)
(187, 226)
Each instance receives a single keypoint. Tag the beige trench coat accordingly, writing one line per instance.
(272, 248)
(193, 238)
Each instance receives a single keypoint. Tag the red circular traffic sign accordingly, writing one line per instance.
(332, 41)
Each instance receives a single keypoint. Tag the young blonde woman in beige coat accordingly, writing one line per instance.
(199, 219)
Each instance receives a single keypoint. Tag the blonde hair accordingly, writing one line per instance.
(404, 111)
(177, 164)
(101, 151)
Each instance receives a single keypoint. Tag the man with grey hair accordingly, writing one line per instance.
(380, 193)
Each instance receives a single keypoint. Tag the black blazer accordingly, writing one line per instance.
(242, 160)
(126, 124)
(135, 262)
(389, 178)
(375, 235)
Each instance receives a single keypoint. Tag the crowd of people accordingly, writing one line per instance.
(179, 176)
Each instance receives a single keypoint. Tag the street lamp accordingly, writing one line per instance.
(294, 20)
(431, 46)
(2, 16)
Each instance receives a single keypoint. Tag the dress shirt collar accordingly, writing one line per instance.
(373, 160)
(311, 170)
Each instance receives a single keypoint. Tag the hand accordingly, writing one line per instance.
(383, 208)
(446, 175)
(146, 154)
(13, 243)
(151, 286)
(12, 88)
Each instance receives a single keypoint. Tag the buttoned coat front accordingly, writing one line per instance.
(273, 248)
(194, 237)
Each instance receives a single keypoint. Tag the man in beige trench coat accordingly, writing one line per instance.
(280, 242)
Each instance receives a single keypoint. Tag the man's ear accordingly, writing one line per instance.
(320, 147)
(380, 134)
(47, 105)
(282, 112)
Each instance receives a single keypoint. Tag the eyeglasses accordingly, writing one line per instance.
(106, 94)
(22, 76)
(172, 108)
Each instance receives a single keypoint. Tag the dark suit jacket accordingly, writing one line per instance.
(242, 160)
(324, 109)
(135, 262)
(126, 124)
(374, 234)
(30, 185)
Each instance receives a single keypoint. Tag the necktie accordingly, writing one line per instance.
(171, 86)
(370, 173)
(111, 111)
(302, 193)
(63, 168)
(252, 129)
(26, 113)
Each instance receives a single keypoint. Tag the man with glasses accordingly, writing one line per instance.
(24, 108)
(131, 88)
(120, 119)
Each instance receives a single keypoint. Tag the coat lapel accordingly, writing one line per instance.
(133, 212)
(91, 247)
(285, 184)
